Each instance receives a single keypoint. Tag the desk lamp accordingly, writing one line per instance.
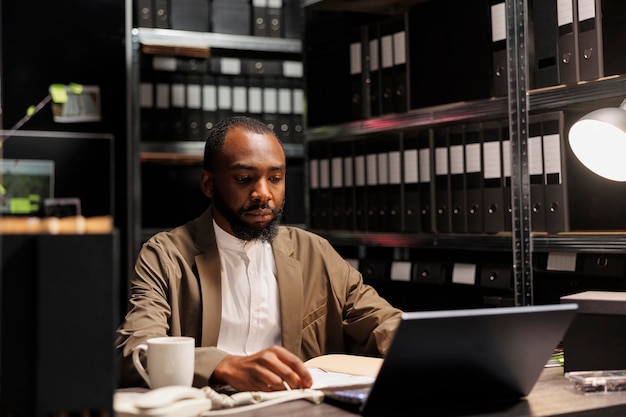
(598, 140)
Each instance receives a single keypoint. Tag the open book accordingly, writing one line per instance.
(343, 370)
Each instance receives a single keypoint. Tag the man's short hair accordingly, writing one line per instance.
(217, 136)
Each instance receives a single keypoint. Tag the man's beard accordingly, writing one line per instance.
(243, 230)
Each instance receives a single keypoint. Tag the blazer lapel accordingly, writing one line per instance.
(289, 277)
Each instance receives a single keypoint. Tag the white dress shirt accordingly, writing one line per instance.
(250, 306)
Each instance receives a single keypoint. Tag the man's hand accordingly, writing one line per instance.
(267, 370)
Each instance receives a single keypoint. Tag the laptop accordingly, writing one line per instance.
(474, 359)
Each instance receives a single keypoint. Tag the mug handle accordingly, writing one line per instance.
(138, 365)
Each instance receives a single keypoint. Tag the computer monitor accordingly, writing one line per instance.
(83, 164)
(24, 186)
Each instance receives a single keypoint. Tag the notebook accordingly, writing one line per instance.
(477, 359)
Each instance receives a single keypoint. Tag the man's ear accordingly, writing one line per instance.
(206, 183)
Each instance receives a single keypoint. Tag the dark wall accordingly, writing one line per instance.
(79, 41)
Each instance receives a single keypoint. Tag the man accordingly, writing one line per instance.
(259, 298)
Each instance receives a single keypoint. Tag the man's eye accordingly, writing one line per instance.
(276, 179)
(242, 179)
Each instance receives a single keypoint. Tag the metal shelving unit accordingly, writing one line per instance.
(520, 102)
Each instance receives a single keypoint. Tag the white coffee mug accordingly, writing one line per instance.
(170, 361)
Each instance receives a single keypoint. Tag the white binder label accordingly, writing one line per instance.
(255, 100)
(230, 66)
(535, 159)
(293, 69)
(383, 168)
(401, 271)
(411, 173)
(399, 48)
(337, 172)
(506, 158)
(355, 58)
(456, 159)
(441, 161)
(324, 180)
(472, 157)
(162, 96)
(565, 12)
(586, 9)
(359, 162)
(424, 165)
(463, 273)
(224, 97)
(146, 96)
(240, 104)
(491, 160)
(386, 51)
(284, 101)
(298, 101)
(552, 154)
(371, 169)
(347, 172)
(164, 63)
(395, 168)
(498, 22)
(194, 96)
(209, 98)
(314, 167)
(270, 100)
(178, 95)
(561, 261)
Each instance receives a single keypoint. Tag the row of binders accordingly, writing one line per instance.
(447, 51)
(182, 98)
(269, 18)
(448, 179)
(485, 273)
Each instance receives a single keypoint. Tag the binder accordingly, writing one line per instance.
(545, 70)
(338, 188)
(376, 175)
(240, 95)
(255, 96)
(349, 208)
(259, 18)
(178, 106)
(297, 122)
(442, 181)
(498, 49)
(410, 184)
(493, 178)
(536, 175)
(401, 84)
(494, 275)
(146, 111)
(284, 110)
(506, 174)
(162, 14)
(458, 217)
(274, 18)
(555, 192)
(360, 186)
(163, 114)
(474, 178)
(194, 129)
(314, 154)
(568, 42)
(387, 30)
(601, 38)
(425, 145)
(270, 102)
(144, 13)
(428, 272)
(374, 72)
(324, 191)
(293, 19)
(393, 190)
(232, 17)
(357, 51)
(193, 15)
(224, 96)
(209, 102)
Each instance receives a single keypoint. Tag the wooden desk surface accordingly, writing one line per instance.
(551, 396)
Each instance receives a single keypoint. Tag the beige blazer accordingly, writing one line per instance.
(176, 290)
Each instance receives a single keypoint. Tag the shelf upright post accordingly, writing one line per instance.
(517, 56)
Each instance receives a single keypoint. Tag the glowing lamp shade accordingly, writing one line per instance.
(598, 140)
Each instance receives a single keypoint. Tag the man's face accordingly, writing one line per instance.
(248, 185)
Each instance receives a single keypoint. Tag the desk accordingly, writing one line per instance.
(549, 397)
